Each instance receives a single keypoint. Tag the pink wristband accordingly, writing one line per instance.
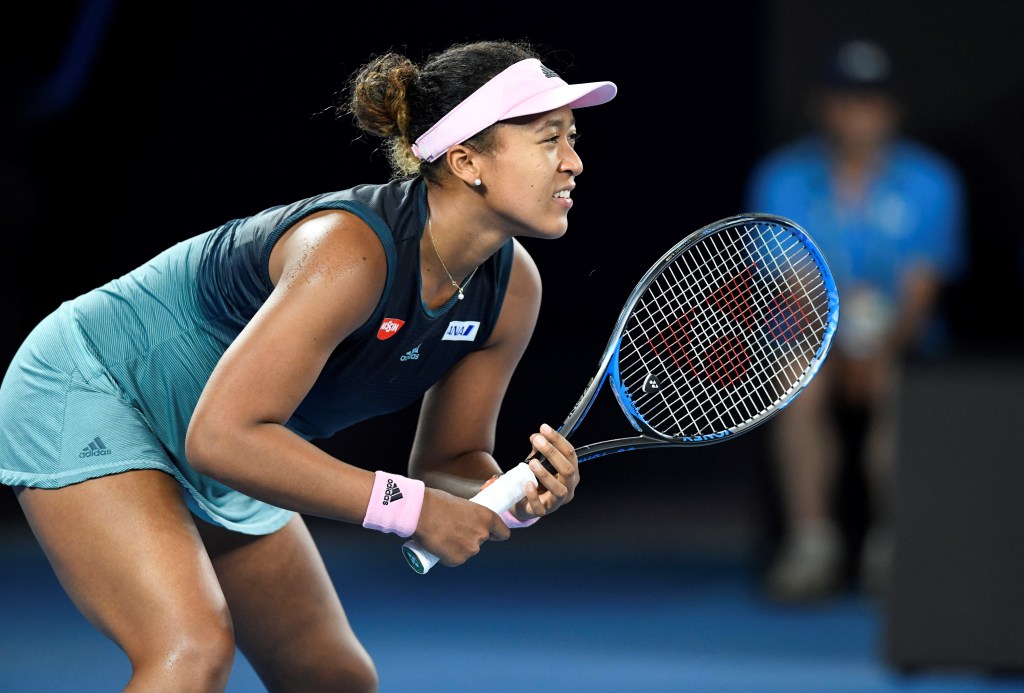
(513, 522)
(395, 504)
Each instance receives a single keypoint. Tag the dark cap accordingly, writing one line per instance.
(857, 64)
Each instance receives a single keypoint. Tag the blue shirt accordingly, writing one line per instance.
(911, 215)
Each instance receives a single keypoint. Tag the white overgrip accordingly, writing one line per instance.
(499, 496)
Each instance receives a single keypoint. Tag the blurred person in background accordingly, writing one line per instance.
(888, 213)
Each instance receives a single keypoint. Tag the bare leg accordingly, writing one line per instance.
(879, 465)
(127, 552)
(881, 445)
(288, 619)
(806, 452)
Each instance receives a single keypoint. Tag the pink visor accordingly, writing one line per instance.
(525, 88)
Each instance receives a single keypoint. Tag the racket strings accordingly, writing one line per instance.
(755, 402)
(739, 310)
(712, 394)
(725, 332)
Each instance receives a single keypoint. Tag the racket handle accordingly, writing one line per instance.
(499, 496)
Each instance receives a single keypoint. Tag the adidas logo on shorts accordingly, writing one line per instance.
(94, 449)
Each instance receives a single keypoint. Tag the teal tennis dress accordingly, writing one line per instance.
(108, 382)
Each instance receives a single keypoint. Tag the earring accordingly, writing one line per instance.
(477, 182)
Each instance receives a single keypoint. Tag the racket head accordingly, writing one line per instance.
(723, 331)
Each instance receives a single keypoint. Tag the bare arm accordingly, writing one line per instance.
(332, 269)
(866, 379)
(920, 292)
(455, 439)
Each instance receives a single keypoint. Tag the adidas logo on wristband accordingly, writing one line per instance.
(392, 492)
(384, 513)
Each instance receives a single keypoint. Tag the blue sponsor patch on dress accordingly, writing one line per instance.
(461, 331)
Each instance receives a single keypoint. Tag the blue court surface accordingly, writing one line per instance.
(542, 612)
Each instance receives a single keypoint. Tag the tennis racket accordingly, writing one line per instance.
(721, 333)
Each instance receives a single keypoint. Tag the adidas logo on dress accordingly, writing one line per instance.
(94, 449)
(412, 354)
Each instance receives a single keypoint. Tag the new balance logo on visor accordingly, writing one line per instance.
(389, 328)
(94, 449)
(461, 331)
(412, 354)
(392, 492)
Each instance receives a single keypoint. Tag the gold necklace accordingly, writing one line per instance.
(430, 232)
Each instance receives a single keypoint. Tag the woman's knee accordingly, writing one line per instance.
(348, 672)
(358, 675)
(194, 655)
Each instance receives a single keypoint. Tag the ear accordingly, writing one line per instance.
(464, 163)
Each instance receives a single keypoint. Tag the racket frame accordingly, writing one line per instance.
(607, 370)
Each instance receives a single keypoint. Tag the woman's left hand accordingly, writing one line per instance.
(552, 490)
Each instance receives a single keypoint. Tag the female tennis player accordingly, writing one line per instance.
(159, 430)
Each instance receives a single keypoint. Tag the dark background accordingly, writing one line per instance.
(128, 126)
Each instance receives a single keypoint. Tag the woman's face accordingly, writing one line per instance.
(532, 172)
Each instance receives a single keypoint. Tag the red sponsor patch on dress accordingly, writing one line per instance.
(389, 328)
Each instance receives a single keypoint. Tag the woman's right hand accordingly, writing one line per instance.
(454, 529)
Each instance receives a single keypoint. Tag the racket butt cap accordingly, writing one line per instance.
(413, 560)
